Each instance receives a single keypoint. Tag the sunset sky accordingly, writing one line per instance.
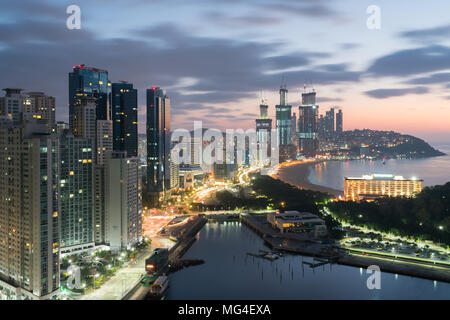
(215, 57)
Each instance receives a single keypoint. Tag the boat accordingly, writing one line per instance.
(159, 287)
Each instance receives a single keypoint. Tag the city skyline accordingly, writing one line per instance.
(217, 60)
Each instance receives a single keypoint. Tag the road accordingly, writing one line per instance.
(124, 279)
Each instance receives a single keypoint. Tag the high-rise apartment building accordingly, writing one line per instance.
(158, 143)
(77, 194)
(125, 116)
(104, 140)
(30, 211)
(84, 119)
(37, 103)
(12, 104)
(123, 199)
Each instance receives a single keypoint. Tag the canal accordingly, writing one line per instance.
(229, 273)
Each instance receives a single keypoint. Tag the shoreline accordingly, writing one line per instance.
(298, 175)
(388, 265)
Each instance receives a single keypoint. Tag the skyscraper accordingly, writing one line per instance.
(30, 210)
(93, 83)
(77, 193)
(284, 127)
(124, 116)
(339, 122)
(329, 123)
(158, 143)
(123, 198)
(308, 124)
(263, 132)
(283, 118)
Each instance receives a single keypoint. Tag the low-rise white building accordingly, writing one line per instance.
(298, 222)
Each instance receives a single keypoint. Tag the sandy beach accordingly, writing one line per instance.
(298, 175)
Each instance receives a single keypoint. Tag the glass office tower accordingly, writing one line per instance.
(125, 117)
(90, 82)
(158, 143)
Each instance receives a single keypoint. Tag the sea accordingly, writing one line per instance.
(230, 273)
(433, 171)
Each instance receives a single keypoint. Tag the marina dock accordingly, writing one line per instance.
(325, 253)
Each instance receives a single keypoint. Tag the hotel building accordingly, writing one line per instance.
(380, 185)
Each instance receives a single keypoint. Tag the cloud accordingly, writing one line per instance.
(242, 20)
(432, 79)
(303, 8)
(37, 53)
(388, 93)
(427, 35)
(328, 99)
(411, 62)
(349, 46)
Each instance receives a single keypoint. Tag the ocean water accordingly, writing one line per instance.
(433, 171)
(229, 273)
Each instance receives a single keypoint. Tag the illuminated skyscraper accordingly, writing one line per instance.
(308, 125)
(158, 142)
(93, 83)
(77, 194)
(30, 209)
(283, 119)
(125, 118)
(263, 131)
(339, 122)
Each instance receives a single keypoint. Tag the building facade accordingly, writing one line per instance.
(12, 104)
(123, 199)
(125, 117)
(263, 133)
(308, 125)
(158, 143)
(92, 83)
(379, 186)
(43, 106)
(77, 194)
(339, 122)
(30, 211)
(298, 222)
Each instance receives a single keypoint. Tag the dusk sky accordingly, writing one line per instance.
(215, 57)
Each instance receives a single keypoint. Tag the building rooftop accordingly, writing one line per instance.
(295, 216)
(383, 177)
